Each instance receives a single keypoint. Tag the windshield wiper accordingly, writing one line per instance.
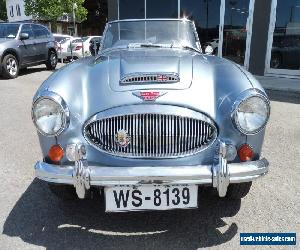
(189, 48)
(151, 46)
(148, 45)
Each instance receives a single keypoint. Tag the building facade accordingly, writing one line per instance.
(261, 35)
(16, 13)
(94, 24)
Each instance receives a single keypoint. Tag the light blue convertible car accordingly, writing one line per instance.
(150, 120)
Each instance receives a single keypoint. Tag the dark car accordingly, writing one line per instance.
(95, 44)
(23, 45)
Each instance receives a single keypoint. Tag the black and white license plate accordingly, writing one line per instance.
(150, 197)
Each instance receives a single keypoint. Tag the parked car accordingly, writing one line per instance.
(23, 45)
(150, 120)
(59, 38)
(63, 46)
(214, 43)
(95, 44)
(81, 47)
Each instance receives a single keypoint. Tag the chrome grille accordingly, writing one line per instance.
(151, 135)
(144, 78)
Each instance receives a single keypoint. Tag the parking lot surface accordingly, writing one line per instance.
(32, 218)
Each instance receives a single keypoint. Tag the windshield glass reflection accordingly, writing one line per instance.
(151, 33)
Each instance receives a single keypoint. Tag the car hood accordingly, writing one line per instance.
(4, 40)
(123, 63)
(207, 83)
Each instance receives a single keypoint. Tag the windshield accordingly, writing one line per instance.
(150, 33)
(9, 30)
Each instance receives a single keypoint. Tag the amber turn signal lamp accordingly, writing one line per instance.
(245, 153)
(56, 153)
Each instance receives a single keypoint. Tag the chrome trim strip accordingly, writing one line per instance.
(151, 19)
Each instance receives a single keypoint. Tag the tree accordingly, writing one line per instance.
(53, 9)
(3, 15)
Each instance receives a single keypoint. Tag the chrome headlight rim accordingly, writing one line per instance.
(243, 98)
(58, 100)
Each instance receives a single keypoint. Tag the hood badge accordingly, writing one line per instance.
(122, 138)
(149, 96)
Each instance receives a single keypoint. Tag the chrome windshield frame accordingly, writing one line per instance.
(151, 19)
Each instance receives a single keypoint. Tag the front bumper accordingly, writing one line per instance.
(219, 175)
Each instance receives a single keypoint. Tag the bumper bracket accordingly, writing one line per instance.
(221, 176)
(81, 172)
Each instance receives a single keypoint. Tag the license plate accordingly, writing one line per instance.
(150, 197)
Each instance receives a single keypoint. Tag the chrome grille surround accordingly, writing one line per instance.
(149, 78)
(156, 131)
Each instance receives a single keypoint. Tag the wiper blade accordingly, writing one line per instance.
(151, 46)
(148, 45)
(190, 48)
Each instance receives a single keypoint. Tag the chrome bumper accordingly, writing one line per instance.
(219, 175)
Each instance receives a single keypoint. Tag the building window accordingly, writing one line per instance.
(235, 32)
(131, 9)
(285, 52)
(162, 9)
(11, 11)
(206, 15)
(18, 10)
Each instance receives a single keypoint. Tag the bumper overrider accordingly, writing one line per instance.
(219, 175)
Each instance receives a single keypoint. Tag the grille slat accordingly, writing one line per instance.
(151, 135)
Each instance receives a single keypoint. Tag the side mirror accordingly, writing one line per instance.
(209, 50)
(24, 36)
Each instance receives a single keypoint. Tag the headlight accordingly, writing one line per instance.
(50, 115)
(252, 114)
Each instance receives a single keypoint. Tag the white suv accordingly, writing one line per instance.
(80, 47)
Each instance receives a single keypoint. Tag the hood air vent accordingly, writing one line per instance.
(150, 78)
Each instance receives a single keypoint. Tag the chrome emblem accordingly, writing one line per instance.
(148, 95)
(162, 78)
(122, 138)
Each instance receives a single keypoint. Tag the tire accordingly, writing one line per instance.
(52, 60)
(238, 191)
(63, 192)
(10, 68)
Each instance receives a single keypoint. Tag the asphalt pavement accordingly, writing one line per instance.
(32, 218)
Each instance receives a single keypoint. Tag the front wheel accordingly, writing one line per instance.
(238, 190)
(51, 61)
(10, 67)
